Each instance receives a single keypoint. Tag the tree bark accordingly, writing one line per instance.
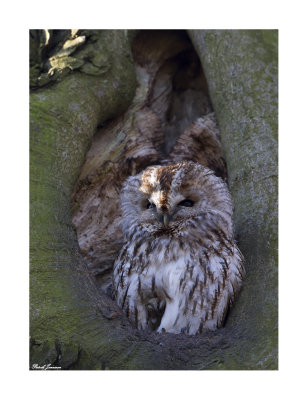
(73, 325)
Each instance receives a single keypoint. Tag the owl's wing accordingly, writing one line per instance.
(224, 274)
(121, 269)
(206, 289)
(127, 288)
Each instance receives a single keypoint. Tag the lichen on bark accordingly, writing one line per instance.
(72, 325)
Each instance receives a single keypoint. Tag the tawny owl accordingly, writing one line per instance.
(180, 268)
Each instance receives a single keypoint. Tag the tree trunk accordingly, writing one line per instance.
(80, 80)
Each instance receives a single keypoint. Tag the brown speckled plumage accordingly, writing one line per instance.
(180, 268)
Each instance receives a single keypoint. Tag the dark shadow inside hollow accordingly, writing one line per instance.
(171, 96)
(178, 92)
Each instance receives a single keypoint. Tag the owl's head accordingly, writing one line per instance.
(184, 199)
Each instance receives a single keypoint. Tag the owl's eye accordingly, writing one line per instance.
(150, 205)
(186, 203)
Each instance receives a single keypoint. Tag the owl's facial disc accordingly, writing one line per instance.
(162, 217)
(169, 200)
(166, 215)
(161, 212)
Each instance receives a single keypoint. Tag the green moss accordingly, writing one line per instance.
(63, 119)
(241, 69)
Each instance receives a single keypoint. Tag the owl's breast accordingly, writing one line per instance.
(161, 278)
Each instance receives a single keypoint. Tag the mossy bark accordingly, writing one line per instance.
(241, 68)
(71, 324)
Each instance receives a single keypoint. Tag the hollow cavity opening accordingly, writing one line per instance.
(177, 90)
(162, 125)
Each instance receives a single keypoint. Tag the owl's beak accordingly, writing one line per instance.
(163, 216)
(165, 220)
